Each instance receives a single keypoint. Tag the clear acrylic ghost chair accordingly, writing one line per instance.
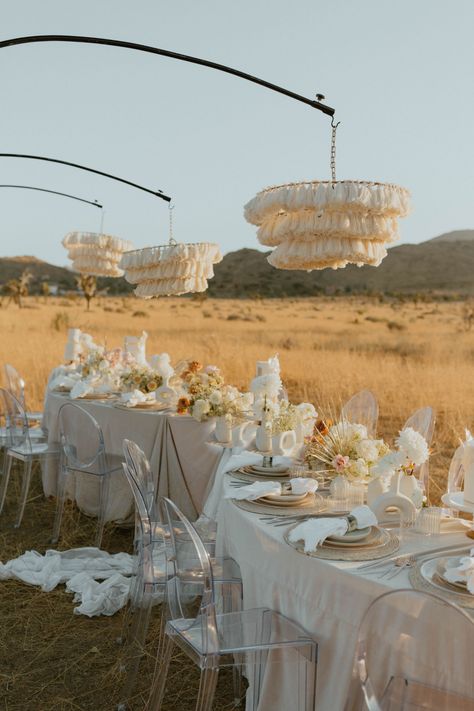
(423, 421)
(152, 538)
(252, 639)
(16, 385)
(362, 409)
(22, 448)
(414, 651)
(84, 453)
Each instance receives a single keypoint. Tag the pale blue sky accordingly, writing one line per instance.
(398, 72)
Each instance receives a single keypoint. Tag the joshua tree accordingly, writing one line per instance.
(88, 285)
(18, 288)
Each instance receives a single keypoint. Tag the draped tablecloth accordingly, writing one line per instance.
(181, 458)
(324, 597)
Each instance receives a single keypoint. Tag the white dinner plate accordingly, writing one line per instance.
(370, 538)
(352, 536)
(455, 500)
(447, 563)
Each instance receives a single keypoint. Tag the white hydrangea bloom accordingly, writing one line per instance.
(413, 446)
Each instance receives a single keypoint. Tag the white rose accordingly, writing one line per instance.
(216, 397)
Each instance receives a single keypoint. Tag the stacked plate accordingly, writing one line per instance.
(368, 543)
(286, 498)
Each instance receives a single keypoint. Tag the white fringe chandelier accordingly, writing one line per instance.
(95, 253)
(172, 269)
(321, 224)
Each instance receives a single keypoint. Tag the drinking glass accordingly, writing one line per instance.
(429, 521)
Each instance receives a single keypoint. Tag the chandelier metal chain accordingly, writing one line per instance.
(333, 149)
(171, 239)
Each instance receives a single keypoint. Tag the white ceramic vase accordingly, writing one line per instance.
(223, 431)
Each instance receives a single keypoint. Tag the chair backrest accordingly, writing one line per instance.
(16, 422)
(362, 409)
(15, 384)
(423, 421)
(415, 646)
(140, 469)
(81, 438)
(192, 579)
(456, 472)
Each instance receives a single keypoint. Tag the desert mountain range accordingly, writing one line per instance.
(442, 264)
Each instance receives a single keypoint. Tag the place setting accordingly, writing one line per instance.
(354, 537)
(295, 496)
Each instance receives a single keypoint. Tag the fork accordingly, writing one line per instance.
(397, 567)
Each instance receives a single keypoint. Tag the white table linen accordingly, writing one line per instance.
(177, 447)
(325, 598)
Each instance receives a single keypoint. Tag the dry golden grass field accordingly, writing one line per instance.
(410, 355)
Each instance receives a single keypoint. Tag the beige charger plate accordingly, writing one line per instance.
(153, 406)
(312, 504)
(382, 544)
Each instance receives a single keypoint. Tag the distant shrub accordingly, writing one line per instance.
(140, 314)
(60, 321)
(395, 326)
(233, 317)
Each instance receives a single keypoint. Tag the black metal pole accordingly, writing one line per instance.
(173, 55)
(54, 192)
(157, 193)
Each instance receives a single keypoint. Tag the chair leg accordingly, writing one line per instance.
(207, 689)
(103, 500)
(237, 679)
(25, 487)
(136, 645)
(158, 689)
(60, 500)
(5, 480)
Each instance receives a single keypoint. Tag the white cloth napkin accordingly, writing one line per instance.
(301, 485)
(462, 573)
(255, 490)
(79, 568)
(136, 397)
(315, 530)
(80, 389)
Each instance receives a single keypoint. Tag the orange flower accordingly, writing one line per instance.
(183, 405)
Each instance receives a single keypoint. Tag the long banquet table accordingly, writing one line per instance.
(324, 597)
(177, 447)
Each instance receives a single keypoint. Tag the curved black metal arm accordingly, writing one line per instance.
(173, 55)
(54, 192)
(158, 193)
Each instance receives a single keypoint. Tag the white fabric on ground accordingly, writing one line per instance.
(79, 568)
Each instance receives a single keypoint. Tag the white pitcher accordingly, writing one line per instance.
(284, 442)
(243, 433)
(223, 431)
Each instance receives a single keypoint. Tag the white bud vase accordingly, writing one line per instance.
(410, 487)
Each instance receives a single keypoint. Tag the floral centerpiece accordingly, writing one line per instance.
(209, 396)
(344, 449)
(141, 378)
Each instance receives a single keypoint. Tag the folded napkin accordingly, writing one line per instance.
(80, 389)
(315, 530)
(255, 490)
(136, 397)
(64, 381)
(462, 573)
(301, 485)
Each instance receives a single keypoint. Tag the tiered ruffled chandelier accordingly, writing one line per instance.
(171, 269)
(95, 253)
(323, 224)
